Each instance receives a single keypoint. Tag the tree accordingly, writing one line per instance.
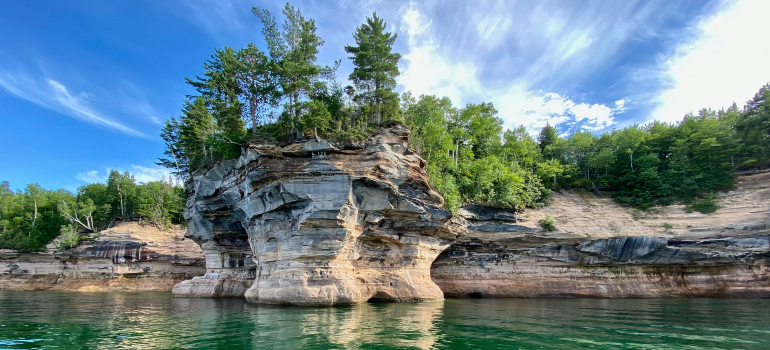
(121, 192)
(548, 136)
(258, 82)
(175, 157)
(294, 51)
(375, 65)
(221, 92)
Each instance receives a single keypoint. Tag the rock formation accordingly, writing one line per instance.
(313, 223)
(321, 224)
(126, 257)
(605, 250)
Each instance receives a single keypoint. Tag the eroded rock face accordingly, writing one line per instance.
(608, 251)
(126, 257)
(316, 224)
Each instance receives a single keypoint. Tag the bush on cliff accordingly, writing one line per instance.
(703, 206)
(548, 223)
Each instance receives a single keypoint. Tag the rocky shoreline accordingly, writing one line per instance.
(127, 257)
(314, 223)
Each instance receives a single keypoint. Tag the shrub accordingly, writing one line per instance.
(69, 237)
(548, 223)
(667, 226)
(705, 206)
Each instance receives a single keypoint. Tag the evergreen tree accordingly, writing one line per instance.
(258, 82)
(294, 51)
(375, 65)
(548, 137)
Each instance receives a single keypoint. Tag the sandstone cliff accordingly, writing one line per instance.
(126, 257)
(605, 250)
(320, 224)
(317, 224)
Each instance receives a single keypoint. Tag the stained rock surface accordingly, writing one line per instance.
(127, 257)
(601, 249)
(314, 223)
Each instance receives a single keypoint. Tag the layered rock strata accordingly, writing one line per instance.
(314, 223)
(604, 250)
(127, 257)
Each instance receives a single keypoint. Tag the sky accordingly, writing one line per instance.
(86, 85)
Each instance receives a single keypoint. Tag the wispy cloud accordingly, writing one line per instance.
(142, 174)
(92, 176)
(549, 47)
(54, 95)
(221, 19)
(727, 62)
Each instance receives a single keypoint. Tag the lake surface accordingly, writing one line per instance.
(58, 320)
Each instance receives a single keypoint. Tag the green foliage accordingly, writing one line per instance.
(667, 226)
(703, 205)
(468, 162)
(68, 237)
(30, 219)
(548, 223)
(285, 95)
(375, 67)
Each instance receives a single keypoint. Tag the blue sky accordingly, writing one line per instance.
(85, 85)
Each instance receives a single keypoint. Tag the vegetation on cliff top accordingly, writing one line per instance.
(283, 94)
(30, 219)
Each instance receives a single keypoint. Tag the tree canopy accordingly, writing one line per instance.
(285, 95)
(31, 218)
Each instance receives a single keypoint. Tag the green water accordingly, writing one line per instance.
(51, 320)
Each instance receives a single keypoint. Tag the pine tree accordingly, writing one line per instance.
(175, 157)
(376, 66)
(294, 51)
(548, 136)
(258, 82)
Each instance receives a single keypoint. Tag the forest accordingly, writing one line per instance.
(30, 219)
(282, 94)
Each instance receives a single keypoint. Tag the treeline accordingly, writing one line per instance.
(282, 94)
(661, 163)
(30, 219)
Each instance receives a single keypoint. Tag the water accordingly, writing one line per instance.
(54, 320)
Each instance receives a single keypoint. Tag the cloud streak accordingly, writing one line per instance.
(53, 95)
(551, 47)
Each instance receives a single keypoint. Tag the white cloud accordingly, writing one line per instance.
(147, 174)
(92, 176)
(428, 70)
(53, 95)
(142, 174)
(431, 67)
(726, 63)
(535, 110)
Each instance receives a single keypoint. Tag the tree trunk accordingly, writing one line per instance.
(253, 108)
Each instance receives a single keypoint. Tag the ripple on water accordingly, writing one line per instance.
(40, 320)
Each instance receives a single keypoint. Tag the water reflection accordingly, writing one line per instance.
(42, 320)
(392, 324)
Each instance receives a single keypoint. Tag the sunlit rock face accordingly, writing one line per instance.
(128, 256)
(314, 223)
(604, 250)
